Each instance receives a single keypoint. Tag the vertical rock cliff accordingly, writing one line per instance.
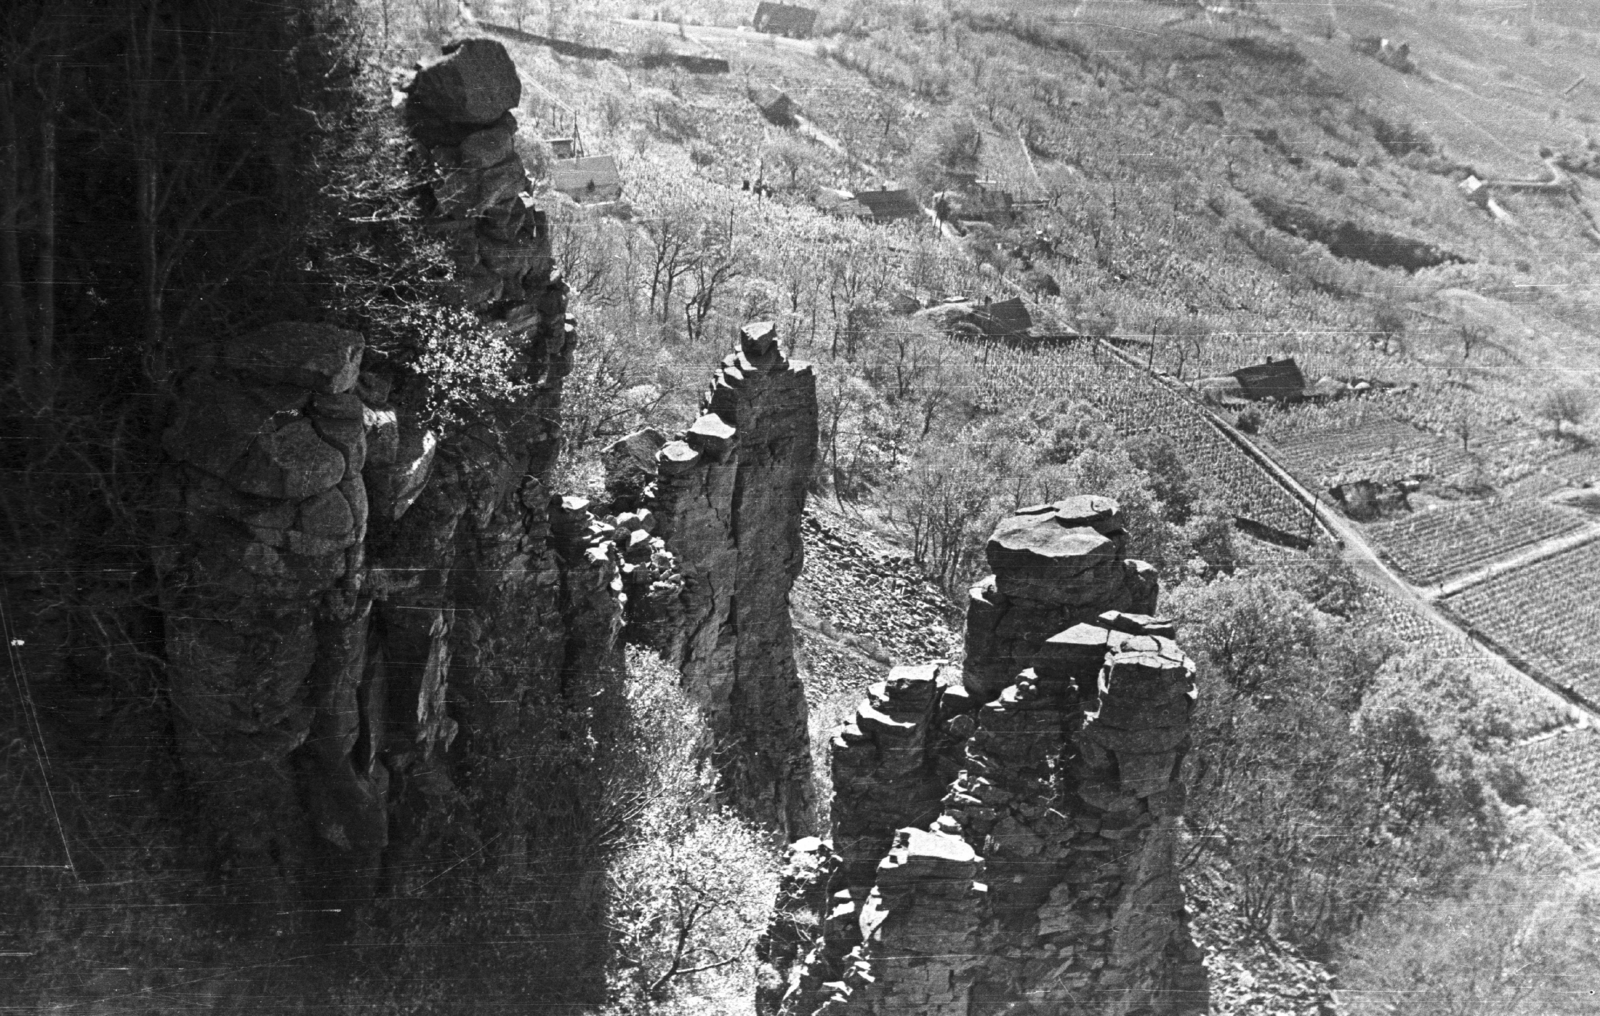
(266, 621)
(1005, 842)
(728, 495)
(381, 649)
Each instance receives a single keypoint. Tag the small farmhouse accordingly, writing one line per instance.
(1276, 379)
(1007, 319)
(889, 205)
(785, 19)
(777, 107)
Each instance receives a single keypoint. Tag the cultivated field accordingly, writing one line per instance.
(1547, 613)
(1563, 773)
(1134, 403)
(1380, 450)
(1439, 543)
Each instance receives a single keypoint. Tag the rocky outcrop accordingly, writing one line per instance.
(729, 494)
(376, 632)
(1008, 846)
(1054, 565)
(265, 619)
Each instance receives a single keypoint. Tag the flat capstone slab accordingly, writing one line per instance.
(1043, 552)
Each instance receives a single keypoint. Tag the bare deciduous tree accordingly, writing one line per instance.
(1566, 406)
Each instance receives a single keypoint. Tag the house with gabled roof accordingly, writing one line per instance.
(785, 19)
(1005, 319)
(1276, 379)
(889, 205)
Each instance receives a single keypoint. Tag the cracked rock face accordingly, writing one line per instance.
(1054, 565)
(373, 628)
(729, 495)
(266, 627)
(1007, 845)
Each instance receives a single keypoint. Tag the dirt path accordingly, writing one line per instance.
(1358, 551)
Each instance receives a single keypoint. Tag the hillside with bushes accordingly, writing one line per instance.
(396, 618)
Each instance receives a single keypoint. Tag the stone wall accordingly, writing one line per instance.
(375, 629)
(729, 495)
(1006, 844)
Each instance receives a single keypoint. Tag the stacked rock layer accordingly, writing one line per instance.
(1008, 846)
(729, 495)
(372, 627)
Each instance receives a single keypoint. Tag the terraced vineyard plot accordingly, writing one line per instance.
(1547, 613)
(1534, 486)
(1563, 773)
(1383, 450)
(1411, 627)
(1439, 543)
(1578, 468)
(1133, 402)
(1524, 710)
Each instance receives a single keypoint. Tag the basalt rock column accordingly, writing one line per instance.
(262, 567)
(374, 629)
(1070, 791)
(1054, 565)
(1047, 881)
(488, 570)
(729, 495)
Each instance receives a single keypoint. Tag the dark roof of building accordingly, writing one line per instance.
(1006, 318)
(784, 19)
(889, 204)
(775, 105)
(766, 95)
(1275, 379)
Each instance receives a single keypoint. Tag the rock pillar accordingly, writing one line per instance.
(1045, 877)
(728, 495)
(489, 569)
(381, 635)
(1054, 565)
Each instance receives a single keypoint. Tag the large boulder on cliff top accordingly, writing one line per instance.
(630, 464)
(1045, 550)
(474, 82)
